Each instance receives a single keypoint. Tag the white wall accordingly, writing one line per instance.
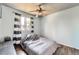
(63, 27)
(7, 22)
(0, 29)
(0, 23)
(37, 26)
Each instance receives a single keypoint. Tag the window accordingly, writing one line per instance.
(22, 22)
(28, 20)
(25, 23)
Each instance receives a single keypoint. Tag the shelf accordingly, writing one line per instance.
(17, 35)
(17, 42)
(16, 38)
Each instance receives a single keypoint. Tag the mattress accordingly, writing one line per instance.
(42, 46)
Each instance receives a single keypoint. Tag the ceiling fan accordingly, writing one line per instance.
(39, 10)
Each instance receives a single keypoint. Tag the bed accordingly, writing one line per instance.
(39, 46)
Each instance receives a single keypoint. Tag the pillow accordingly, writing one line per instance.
(36, 37)
(29, 37)
(32, 37)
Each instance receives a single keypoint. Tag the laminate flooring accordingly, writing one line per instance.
(65, 50)
(19, 50)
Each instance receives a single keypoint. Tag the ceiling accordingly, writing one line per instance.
(49, 7)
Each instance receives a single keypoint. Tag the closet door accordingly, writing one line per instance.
(0, 19)
(7, 21)
(0, 11)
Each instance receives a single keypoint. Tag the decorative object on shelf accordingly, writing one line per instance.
(31, 17)
(17, 14)
(16, 19)
(16, 38)
(32, 22)
(16, 26)
(32, 31)
(32, 25)
(17, 32)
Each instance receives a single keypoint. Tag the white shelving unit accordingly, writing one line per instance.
(17, 28)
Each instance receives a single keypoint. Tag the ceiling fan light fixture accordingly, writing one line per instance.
(36, 15)
(40, 13)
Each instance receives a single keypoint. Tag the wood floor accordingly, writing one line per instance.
(19, 50)
(64, 50)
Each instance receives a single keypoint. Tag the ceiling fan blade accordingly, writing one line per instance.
(37, 10)
(44, 10)
(42, 4)
(33, 11)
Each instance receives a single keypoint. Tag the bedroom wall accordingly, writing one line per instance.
(63, 27)
(7, 22)
(0, 29)
(0, 24)
(37, 25)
